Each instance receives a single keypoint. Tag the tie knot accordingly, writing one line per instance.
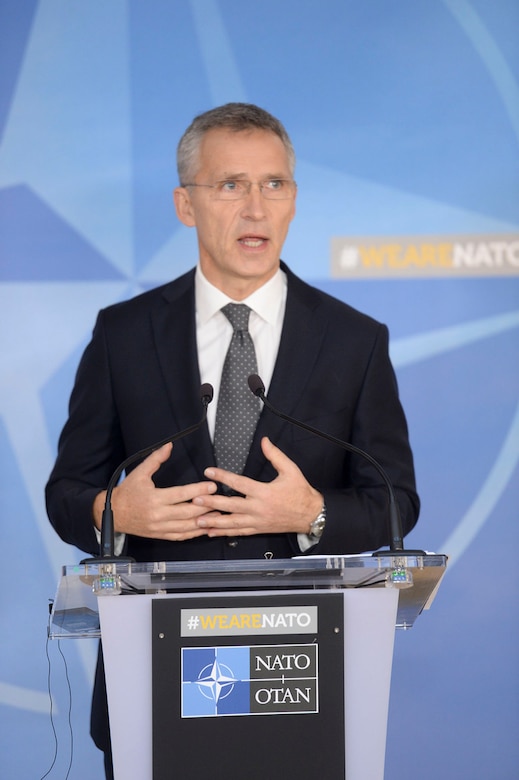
(238, 315)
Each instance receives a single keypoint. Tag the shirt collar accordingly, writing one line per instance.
(265, 301)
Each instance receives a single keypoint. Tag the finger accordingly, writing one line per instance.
(220, 503)
(216, 524)
(277, 457)
(236, 482)
(245, 530)
(153, 462)
(184, 513)
(178, 536)
(180, 523)
(182, 493)
(200, 528)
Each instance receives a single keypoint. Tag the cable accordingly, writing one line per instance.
(51, 706)
(51, 709)
(71, 732)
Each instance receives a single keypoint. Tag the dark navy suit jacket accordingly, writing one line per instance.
(138, 381)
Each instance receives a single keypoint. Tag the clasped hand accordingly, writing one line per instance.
(288, 504)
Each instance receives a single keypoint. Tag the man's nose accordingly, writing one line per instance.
(253, 205)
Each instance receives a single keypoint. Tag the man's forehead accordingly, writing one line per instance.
(236, 152)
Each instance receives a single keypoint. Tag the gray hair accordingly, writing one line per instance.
(232, 116)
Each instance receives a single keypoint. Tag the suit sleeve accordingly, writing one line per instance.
(90, 448)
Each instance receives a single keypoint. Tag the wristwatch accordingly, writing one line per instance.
(317, 526)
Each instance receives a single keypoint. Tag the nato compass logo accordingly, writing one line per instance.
(256, 680)
(215, 681)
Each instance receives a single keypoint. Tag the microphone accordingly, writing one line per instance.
(107, 521)
(396, 544)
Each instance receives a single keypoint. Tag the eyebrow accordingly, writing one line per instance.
(225, 176)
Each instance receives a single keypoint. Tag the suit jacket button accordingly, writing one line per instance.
(232, 543)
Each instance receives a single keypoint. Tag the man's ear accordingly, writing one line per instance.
(183, 206)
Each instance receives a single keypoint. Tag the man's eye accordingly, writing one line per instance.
(274, 184)
(229, 186)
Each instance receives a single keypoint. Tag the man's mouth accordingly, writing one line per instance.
(252, 241)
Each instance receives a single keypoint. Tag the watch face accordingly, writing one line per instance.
(317, 527)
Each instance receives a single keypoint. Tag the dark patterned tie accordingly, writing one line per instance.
(238, 409)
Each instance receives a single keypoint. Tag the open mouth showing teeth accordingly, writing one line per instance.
(252, 242)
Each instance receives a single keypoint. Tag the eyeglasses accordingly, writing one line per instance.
(236, 189)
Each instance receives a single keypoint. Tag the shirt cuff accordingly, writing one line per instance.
(305, 542)
(119, 540)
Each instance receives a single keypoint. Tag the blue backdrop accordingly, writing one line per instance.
(405, 119)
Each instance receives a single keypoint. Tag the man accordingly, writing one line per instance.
(321, 361)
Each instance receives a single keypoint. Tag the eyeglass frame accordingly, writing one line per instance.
(260, 184)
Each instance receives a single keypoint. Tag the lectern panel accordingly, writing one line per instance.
(248, 687)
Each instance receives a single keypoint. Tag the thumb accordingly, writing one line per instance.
(279, 460)
(153, 462)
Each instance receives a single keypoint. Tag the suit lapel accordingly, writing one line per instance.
(302, 338)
